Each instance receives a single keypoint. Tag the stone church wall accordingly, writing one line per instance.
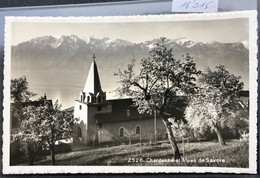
(147, 130)
(92, 126)
(81, 112)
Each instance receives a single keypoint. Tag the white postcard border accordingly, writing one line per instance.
(252, 15)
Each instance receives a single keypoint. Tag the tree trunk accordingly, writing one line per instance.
(140, 143)
(32, 156)
(183, 146)
(52, 155)
(129, 141)
(32, 153)
(220, 138)
(175, 149)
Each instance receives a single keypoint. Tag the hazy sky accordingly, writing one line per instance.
(234, 30)
(204, 31)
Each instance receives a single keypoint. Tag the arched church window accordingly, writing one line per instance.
(100, 126)
(166, 135)
(84, 96)
(128, 112)
(88, 98)
(80, 107)
(121, 132)
(93, 99)
(138, 129)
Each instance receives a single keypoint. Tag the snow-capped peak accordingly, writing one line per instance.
(55, 41)
(86, 39)
(183, 41)
(57, 36)
(245, 43)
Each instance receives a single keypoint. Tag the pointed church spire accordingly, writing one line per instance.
(93, 83)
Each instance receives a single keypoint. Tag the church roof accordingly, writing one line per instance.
(120, 106)
(119, 112)
(93, 83)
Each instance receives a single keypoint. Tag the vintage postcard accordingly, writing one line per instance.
(131, 94)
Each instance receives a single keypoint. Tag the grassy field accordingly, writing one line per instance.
(211, 154)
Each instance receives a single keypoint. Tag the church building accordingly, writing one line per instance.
(117, 120)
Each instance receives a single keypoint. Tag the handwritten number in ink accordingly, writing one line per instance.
(195, 4)
(186, 5)
(202, 4)
(183, 5)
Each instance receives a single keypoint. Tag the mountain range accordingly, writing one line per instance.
(75, 53)
(65, 60)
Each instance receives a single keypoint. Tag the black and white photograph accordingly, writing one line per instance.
(157, 93)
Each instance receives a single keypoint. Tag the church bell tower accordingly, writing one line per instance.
(89, 103)
(92, 92)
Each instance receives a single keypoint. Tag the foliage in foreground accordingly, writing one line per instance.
(42, 126)
(217, 102)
